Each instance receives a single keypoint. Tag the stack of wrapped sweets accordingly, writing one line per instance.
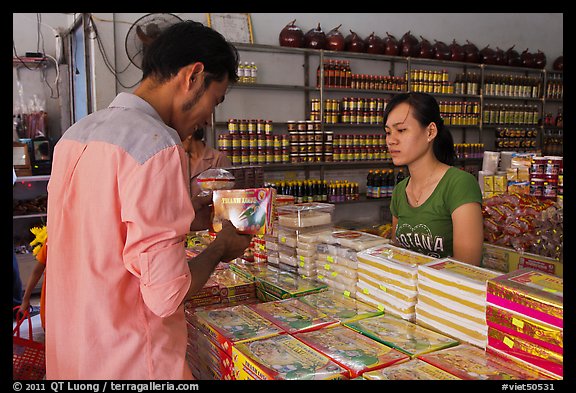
(292, 315)
(526, 223)
(234, 288)
(352, 350)
(297, 230)
(336, 261)
(340, 305)
(224, 287)
(405, 336)
(213, 333)
(469, 362)
(452, 299)
(387, 278)
(268, 246)
(525, 319)
(282, 357)
(274, 284)
(414, 369)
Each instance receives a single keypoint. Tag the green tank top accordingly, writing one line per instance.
(427, 229)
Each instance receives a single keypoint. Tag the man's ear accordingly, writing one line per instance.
(191, 74)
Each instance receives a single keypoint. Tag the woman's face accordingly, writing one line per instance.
(406, 139)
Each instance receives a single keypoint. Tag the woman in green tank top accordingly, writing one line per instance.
(437, 209)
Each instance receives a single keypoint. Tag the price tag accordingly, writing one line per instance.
(518, 322)
(508, 342)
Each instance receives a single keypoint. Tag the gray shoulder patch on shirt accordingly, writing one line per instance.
(136, 132)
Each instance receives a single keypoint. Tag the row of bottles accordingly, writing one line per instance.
(315, 190)
(381, 182)
(555, 87)
(556, 121)
(510, 114)
(552, 142)
(247, 72)
(337, 73)
(521, 139)
(512, 86)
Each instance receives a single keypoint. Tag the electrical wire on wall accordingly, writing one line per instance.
(41, 49)
(103, 52)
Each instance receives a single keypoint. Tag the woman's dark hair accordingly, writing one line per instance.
(425, 110)
(188, 42)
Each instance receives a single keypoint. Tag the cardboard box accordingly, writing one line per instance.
(506, 259)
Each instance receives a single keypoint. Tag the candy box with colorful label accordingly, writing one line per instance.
(522, 326)
(414, 369)
(249, 210)
(527, 352)
(472, 363)
(283, 357)
(231, 325)
(351, 349)
(403, 335)
(340, 306)
(292, 315)
(529, 292)
(284, 285)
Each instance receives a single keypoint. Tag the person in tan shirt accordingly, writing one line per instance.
(200, 158)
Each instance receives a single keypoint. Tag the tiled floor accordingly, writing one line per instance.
(37, 330)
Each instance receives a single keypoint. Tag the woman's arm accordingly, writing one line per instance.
(393, 234)
(468, 229)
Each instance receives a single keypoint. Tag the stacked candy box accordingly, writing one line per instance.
(280, 284)
(452, 299)
(470, 362)
(387, 278)
(407, 337)
(282, 357)
(228, 326)
(292, 315)
(337, 267)
(414, 369)
(340, 305)
(352, 350)
(206, 361)
(525, 319)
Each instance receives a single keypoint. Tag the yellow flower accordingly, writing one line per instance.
(41, 237)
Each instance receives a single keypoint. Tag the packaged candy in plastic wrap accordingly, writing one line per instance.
(215, 179)
(525, 223)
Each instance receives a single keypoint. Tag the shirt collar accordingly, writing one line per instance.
(129, 100)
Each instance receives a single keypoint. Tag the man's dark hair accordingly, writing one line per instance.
(188, 42)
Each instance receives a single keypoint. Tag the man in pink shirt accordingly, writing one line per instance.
(119, 210)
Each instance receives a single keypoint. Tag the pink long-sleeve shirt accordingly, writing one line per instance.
(118, 211)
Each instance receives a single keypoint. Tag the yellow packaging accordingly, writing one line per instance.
(282, 357)
(489, 183)
(499, 183)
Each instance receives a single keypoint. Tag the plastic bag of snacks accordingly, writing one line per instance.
(215, 179)
(525, 223)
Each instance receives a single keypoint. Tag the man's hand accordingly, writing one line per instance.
(202, 212)
(232, 242)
